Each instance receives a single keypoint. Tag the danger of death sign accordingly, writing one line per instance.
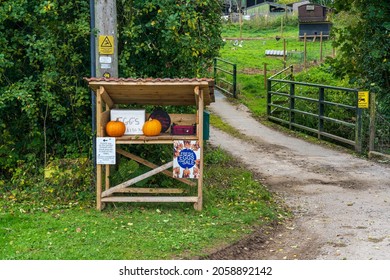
(106, 44)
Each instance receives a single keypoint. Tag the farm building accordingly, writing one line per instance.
(296, 5)
(267, 8)
(313, 21)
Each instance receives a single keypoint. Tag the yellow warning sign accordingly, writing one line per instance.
(106, 44)
(363, 99)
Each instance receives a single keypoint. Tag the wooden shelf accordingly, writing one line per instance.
(161, 139)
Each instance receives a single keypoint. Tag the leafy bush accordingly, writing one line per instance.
(64, 183)
(44, 103)
(169, 38)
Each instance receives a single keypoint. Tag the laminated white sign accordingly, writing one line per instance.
(105, 150)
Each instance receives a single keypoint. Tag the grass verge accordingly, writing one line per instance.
(234, 203)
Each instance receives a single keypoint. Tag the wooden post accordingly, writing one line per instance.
(321, 47)
(199, 95)
(304, 50)
(281, 26)
(372, 122)
(106, 41)
(284, 53)
(98, 134)
(265, 76)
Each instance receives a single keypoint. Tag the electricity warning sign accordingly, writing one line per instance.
(106, 44)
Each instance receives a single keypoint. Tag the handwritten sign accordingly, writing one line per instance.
(133, 119)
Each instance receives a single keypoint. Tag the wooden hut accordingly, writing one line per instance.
(313, 21)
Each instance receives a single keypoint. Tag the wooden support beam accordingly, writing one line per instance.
(137, 179)
(150, 199)
(151, 190)
(99, 133)
(196, 91)
(152, 165)
(200, 101)
(106, 98)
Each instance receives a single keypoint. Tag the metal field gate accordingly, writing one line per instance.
(327, 111)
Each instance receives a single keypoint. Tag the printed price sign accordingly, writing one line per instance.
(186, 159)
(105, 150)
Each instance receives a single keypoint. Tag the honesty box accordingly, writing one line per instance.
(133, 119)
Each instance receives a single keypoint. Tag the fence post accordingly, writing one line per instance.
(269, 97)
(284, 53)
(321, 111)
(265, 76)
(292, 104)
(304, 50)
(358, 129)
(371, 147)
(234, 80)
(215, 69)
(321, 57)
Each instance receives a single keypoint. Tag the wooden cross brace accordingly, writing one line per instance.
(137, 179)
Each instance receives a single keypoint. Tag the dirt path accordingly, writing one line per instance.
(341, 203)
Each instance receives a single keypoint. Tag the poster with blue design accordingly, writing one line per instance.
(186, 159)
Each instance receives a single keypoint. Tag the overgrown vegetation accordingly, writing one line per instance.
(168, 38)
(45, 106)
(362, 32)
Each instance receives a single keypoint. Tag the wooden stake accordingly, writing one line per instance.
(305, 50)
(321, 47)
(372, 121)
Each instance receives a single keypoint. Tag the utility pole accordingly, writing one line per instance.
(106, 40)
(104, 50)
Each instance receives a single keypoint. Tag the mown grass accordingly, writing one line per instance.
(234, 203)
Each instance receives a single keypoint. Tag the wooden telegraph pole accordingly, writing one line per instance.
(106, 40)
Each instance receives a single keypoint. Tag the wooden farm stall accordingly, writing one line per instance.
(140, 92)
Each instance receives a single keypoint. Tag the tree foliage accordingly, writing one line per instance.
(362, 33)
(169, 38)
(44, 105)
(44, 102)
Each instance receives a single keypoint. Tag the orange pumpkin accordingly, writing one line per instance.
(152, 127)
(115, 128)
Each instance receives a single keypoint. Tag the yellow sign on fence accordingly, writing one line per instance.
(106, 44)
(363, 99)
